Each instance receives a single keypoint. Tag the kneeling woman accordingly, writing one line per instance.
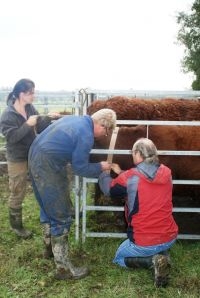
(152, 230)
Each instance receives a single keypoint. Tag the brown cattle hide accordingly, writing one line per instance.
(150, 109)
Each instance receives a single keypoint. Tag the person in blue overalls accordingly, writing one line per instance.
(68, 140)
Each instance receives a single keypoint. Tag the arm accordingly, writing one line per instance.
(104, 183)
(82, 143)
(81, 155)
(118, 187)
(84, 168)
(13, 130)
(116, 168)
(113, 187)
(43, 121)
(15, 127)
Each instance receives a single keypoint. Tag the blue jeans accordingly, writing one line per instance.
(129, 249)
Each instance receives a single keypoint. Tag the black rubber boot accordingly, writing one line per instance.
(15, 217)
(139, 262)
(48, 253)
(64, 267)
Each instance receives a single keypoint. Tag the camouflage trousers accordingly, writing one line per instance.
(17, 172)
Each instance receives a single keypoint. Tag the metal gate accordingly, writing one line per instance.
(86, 207)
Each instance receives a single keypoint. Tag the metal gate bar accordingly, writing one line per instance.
(120, 208)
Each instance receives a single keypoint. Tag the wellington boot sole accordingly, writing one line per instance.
(62, 274)
(23, 233)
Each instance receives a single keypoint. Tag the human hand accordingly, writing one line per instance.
(54, 115)
(116, 168)
(105, 165)
(32, 120)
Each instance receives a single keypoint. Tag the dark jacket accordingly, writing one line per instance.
(19, 136)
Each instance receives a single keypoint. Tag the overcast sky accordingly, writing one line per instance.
(98, 44)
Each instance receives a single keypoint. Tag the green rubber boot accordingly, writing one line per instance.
(15, 217)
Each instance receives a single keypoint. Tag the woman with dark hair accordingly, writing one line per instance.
(20, 123)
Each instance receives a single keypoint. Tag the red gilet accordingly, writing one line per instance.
(150, 222)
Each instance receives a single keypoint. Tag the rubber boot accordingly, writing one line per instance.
(160, 264)
(47, 254)
(139, 262)
(64, 267)
(15, 217)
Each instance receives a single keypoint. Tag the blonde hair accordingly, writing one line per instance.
(147, 150)
(106, 118)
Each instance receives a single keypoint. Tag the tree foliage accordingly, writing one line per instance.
(189, 36)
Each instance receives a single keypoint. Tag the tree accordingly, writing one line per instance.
(189, 36)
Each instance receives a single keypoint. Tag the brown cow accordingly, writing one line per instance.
(164, 137)
(150, 109)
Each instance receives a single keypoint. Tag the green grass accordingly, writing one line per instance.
(24, 273)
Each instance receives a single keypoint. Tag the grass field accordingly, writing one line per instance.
(24, 273)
